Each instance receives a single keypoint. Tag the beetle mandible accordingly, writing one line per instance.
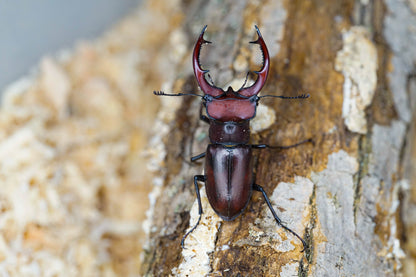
(228, 172)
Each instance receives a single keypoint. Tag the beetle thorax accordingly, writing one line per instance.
(229, 132)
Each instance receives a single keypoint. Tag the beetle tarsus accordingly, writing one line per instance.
(190, 231)
(197, 178)
(266, 198)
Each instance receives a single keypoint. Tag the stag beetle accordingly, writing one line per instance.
(228, 174)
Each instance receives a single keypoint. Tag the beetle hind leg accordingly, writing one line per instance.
(266, 198)
(198, 196)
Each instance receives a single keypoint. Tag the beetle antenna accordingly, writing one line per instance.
(161, 93)
(302, 96)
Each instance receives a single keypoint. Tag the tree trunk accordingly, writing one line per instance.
(347, 194)
(82, 137)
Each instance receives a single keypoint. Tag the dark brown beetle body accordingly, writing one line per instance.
(228, 174)
(229, 179)
(229, 133)
(228, 166)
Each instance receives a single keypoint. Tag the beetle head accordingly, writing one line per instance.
(214, 91)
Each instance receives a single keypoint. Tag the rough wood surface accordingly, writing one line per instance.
(343, 194)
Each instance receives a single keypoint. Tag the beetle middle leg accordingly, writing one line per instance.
(198, 196)
(261, 146)
(266, 198)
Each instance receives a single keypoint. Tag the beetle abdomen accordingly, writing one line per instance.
(229, 179)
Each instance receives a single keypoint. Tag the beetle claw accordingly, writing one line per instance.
(263, 72)
(258, 30)
(202, 35)
(257, 41)
(206, 87)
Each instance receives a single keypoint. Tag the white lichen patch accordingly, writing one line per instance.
(201, 242)
(335, 208)
(294, 198)
(347, 222)
(265, 117)
(289, 270)
(357, 61)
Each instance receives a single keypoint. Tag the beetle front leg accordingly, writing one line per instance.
(266, 198)
(197, 178)
(202, 116)
(197, 157)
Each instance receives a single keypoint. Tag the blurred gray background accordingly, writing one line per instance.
(30, 29)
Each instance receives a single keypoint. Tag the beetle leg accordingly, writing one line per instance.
(198, 196)
(261, 146)
(266, 198)
(203, 117)
(197, 157)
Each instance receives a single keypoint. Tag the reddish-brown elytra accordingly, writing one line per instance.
(228, 174)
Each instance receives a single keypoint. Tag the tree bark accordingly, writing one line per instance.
(347, 194)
